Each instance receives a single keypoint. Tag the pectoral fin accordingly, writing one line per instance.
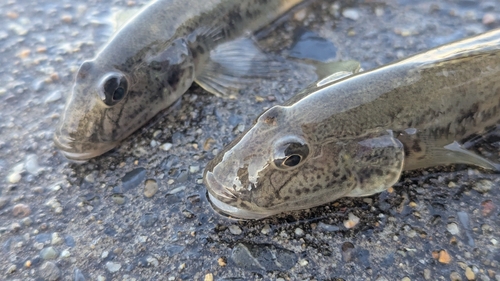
(422, 152)
(454, 151)
(239, 63)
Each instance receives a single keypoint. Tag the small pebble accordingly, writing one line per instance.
(488, 19)
(455, 276)
(299, 232)
(194, 169)
(15, 227)
(14, 177)
(152, 261)
(188, 214)
(487, 207)
(27, 221)
(348, 252)
(166, 146)
(50, 271)
(328, 227)
(453, 228)
(483, 186)
(266, 229)
(209, 277)
(444, 257)
(55, 205)
(470, 274)
(298, 16)
(222, 262)
(56, 239)
(31, 165)
(90, 177)
(350, 13)
(352, 221)
(21, 210)
(427, 274)
(113, 266)
(379, 11)
(11, 269)
(303, 262)
(234, 229)
(157, 134)
(65, 254)
(153, 143)
(118, 199)
(150, 188)
(104, 254)
(48, 253)
(148, 219)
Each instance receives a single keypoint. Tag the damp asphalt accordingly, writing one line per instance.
(140, 211)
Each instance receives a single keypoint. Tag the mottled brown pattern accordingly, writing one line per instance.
(160, 52)
(363, 130)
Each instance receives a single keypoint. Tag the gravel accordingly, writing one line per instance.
(144, 204)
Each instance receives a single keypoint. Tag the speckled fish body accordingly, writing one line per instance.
(354, 136)
(153, 60)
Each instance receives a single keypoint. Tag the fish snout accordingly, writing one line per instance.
(224, 201)
(79, 151)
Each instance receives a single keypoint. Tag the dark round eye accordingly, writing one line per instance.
(113, 89)
(290, 153)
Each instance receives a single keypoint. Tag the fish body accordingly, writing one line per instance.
(354, 136)
(154, 59)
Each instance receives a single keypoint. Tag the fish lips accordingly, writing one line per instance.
(218, 193)
(81, 151)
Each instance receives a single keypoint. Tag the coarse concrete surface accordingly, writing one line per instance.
(140, 211)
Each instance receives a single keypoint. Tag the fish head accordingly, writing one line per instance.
(279, 165)
(109, 101)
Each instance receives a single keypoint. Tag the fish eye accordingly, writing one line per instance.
(290, 153)
(113, 89)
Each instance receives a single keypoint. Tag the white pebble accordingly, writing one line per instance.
(31, 165)
(453, 228)
(352, 14)
(194, 169)
(113, 267)
(234, 229)
(65, 254)
(266, 229)
(166, 146)
(104, 254)
(352, 221)
(14, 177)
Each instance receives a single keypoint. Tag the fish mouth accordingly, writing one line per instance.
(218, 192)
(78, 151)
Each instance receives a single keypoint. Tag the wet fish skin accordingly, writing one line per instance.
(354, 137)
(149, 64)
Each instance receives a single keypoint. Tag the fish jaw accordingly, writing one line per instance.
(76, 151)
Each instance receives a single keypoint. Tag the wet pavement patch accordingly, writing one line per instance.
(263, 257)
